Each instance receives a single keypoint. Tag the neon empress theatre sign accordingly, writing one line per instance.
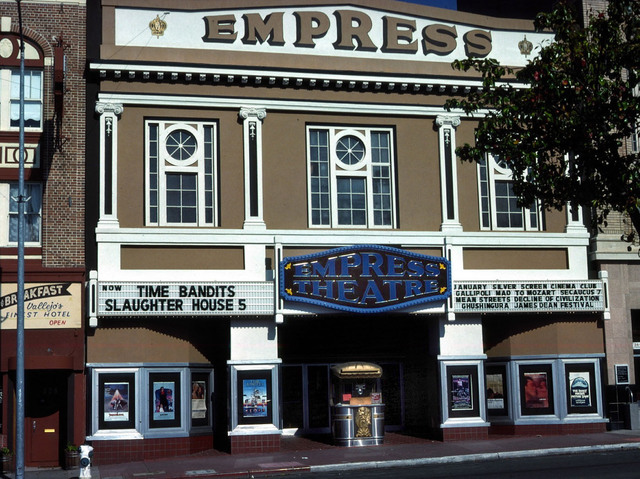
(365, 279)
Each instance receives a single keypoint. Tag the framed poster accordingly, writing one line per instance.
(164, 400)
(461, 398)
(255, 399)
(536, 389)
(462, 382)
(580, 380)
(497, 393)
(200, 399)
(622, 373)
(116, 405)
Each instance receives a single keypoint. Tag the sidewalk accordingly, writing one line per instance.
(306, 454)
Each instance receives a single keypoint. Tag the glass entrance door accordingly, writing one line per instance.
(305, 398)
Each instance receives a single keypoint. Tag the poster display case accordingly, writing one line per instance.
(254, 401)
(357, 407)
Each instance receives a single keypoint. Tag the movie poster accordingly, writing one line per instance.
(254, 398)
(461, 392)
(198, 403)
(495, 391)
(579, 389)
(163, 392)
(116, 402)
(536, 392)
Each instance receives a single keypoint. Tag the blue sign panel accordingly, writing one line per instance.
(365, 279)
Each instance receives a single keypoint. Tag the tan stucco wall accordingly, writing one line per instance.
(284, 157)
(515, 258)
(515, 335)
(163, 344)
(131, 177)
(133, 257)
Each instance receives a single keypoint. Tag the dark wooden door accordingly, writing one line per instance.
(44, 399)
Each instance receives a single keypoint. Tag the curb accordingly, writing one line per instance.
(491, 456)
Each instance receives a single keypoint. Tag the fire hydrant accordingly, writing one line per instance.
(86, 453)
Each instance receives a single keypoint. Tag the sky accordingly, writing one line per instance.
(450, 4)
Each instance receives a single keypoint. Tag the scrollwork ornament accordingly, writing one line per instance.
(105, 107)
(259, 113)
(442, 120)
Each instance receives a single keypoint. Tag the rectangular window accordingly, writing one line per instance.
(32, 99)
(350, 177)
(499, 208)
(32, 209)
(181, 172)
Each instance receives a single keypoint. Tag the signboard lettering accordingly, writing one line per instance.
(327, 30)
(353, 30)
(528, 296)
(138, 299)
(366, 278)
(47, 305)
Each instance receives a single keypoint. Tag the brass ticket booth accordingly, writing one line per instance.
(357, 409)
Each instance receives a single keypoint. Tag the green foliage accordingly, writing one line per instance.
(71, 447)
(561, 121)
(5, 451)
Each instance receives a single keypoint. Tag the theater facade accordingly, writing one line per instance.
(279, 193)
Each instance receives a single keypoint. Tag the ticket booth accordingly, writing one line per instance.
(357, 409)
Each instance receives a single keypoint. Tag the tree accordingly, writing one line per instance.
(561, 123)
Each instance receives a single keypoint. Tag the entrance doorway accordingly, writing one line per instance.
(306, 391)
(45, 400)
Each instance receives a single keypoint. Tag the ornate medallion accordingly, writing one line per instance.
(525, 46)
(157, 26)
(6, 48)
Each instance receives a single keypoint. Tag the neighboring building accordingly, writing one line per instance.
(278, 193)
(55, 400)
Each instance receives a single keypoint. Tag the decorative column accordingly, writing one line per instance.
(448, 172)
(108, 162)
(252, 130)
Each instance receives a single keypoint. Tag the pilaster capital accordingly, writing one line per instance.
(259, 113)
(107, 107)
(452, 120)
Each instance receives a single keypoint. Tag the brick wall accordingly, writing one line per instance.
(119, 451)
(63, 146)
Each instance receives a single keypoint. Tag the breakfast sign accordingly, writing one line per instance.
(365, 279)
(46, 305)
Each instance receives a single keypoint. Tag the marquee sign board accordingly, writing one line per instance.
(528, 296)
(365, 279)
(185, 299)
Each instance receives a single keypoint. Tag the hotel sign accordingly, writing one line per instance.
(365, 279)
(46, 305)
(327, 30)
(528, 296)
(185, 299)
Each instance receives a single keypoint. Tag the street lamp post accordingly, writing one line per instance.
(20, 299)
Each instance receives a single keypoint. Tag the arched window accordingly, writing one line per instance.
(10, 84)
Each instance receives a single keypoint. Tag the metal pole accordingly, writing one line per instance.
(20, 298)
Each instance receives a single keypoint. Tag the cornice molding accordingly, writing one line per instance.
(286, 79)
